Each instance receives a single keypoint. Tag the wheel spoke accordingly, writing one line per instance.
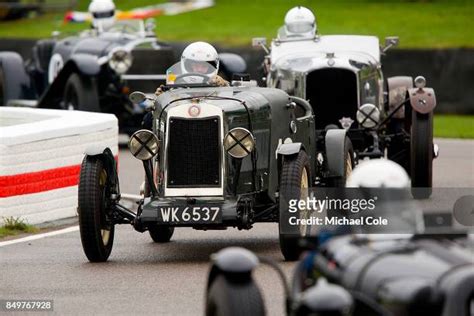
(105, 236)
(304, 193)
(348, 165)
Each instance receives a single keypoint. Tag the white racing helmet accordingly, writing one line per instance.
(378, 173)
(103, 13)
(388, 183)
(200, 57)
(300, 21)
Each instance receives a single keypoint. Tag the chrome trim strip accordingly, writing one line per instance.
(143, 77)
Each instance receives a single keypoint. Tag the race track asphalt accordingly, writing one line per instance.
(142, 277)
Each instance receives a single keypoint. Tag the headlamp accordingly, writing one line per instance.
(120, 60)
(143, 144)
(239, 142)
(368, 115)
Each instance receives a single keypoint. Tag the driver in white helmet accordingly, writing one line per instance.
(378, 173)
(202, 60)
(300, 22)
(103, 14)
(389, 183)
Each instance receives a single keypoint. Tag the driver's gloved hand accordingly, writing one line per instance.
(159, 90)
(219, 81)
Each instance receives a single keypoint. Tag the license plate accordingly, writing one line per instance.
(189, 214)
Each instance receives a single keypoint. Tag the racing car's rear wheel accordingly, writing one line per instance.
(97, 231)
(238, 297)
(161, 233)
(421, 161)
(80, 93)
(294, 185)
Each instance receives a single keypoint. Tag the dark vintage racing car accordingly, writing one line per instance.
(93, 71)
(430, 272)
(216, 157)
(341, 77)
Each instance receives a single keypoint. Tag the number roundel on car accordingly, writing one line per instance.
(55, 65)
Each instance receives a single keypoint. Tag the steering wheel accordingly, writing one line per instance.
(192, 74)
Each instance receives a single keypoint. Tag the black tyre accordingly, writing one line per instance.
(349, 164)
(160, 233)
(97, 232)
(421, 161)
(80, 93)
(295, 181)
(240, 297)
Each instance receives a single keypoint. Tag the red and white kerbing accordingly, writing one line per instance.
(40, 157)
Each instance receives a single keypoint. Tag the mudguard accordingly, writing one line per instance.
(84, 64)
(397, 91)
(232, 260)
(289, 149)
(422, 100)
(335, 141)
(17, 84)
(232, 64)
(306, 105)
(109, 162)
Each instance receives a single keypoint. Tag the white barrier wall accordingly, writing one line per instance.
(40, 156)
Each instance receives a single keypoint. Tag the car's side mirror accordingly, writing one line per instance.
(260, 42)
(390, 41)
(137, 97)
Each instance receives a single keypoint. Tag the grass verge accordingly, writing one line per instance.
(420, 24)
(454, 126)
(14, 226)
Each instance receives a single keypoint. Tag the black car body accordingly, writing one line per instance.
(421, 275)
(92, 71)
(421, 264)
(221, 157)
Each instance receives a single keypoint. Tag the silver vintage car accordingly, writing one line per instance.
(341, 77)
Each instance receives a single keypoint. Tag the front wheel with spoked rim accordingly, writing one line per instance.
(96, 228)
(294, 185)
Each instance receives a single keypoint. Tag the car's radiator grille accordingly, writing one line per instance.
(193, 152)
(324, 88)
